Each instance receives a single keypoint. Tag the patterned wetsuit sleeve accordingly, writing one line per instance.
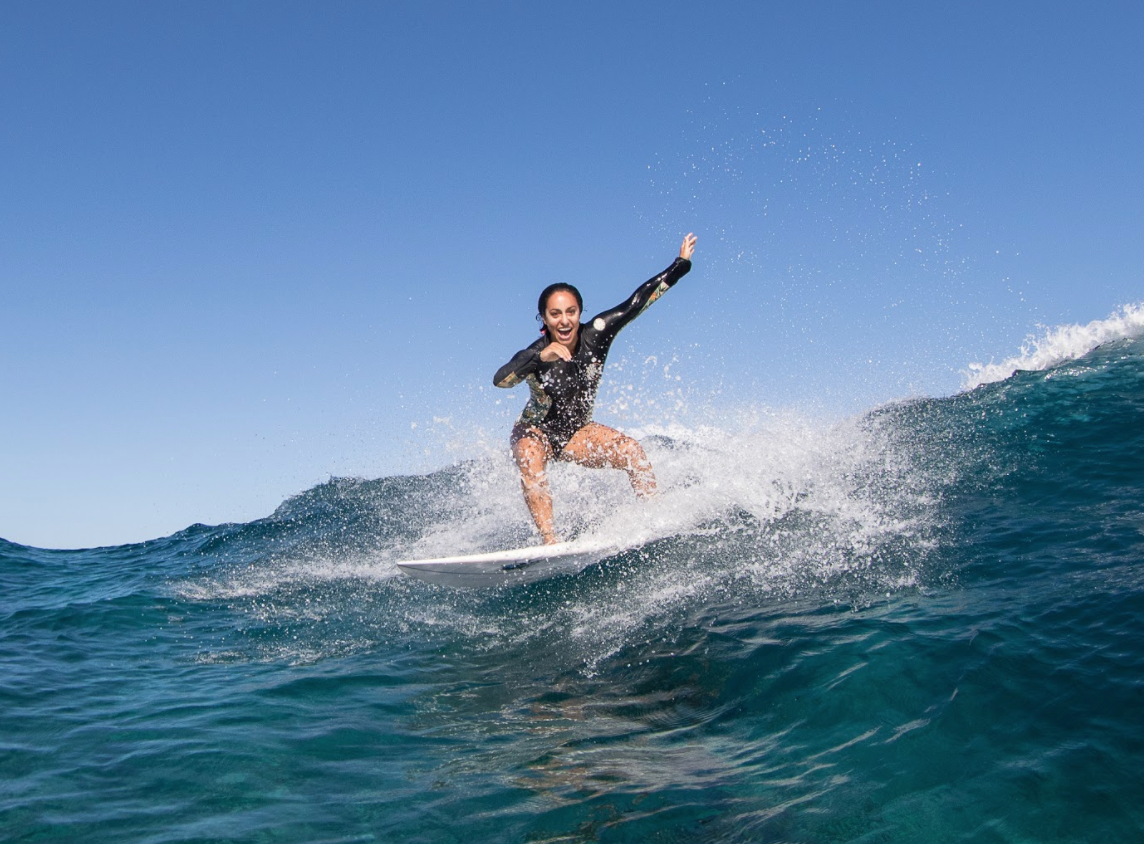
(619, 316)
(523, 363)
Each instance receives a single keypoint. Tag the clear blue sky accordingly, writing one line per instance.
(247, 246)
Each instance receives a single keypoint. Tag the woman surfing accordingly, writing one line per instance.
(563, 370)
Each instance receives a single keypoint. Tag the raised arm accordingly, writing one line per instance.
(688, 246)
(616, 318)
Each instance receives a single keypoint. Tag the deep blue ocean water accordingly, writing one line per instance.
(922, 624)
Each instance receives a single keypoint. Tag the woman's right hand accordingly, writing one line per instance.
(553, 351)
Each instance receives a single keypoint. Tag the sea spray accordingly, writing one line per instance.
(1057, 345)
(779, 506)
(919, 623)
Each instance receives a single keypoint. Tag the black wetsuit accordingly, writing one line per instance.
(564, 392)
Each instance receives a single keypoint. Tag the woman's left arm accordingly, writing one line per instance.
(642, 299)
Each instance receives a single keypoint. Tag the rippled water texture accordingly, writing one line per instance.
(924, 624)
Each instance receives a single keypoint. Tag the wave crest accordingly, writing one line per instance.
(1059, 344)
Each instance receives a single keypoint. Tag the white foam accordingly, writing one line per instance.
(1059, 344)
(760, 504)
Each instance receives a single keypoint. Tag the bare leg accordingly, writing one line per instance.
(531, 451)
(600, 447)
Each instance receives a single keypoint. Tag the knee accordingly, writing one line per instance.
(532, 464)
(634, 456)
(533, 481)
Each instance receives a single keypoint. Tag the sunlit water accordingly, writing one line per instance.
(924, 623)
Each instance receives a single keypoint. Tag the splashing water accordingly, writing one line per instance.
(1060, 344)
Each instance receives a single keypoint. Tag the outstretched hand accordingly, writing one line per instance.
(688, 246)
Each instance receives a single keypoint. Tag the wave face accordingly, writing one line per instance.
(922, 624)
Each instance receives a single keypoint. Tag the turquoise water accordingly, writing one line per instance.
(924, 624)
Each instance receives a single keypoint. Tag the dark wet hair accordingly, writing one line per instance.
(546, 294)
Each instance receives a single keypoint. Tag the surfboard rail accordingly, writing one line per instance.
(518, 565)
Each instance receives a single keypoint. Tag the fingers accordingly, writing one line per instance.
(688, 246)
(553, 351)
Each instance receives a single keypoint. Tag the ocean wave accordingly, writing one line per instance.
(827, 632)
(1058, 345)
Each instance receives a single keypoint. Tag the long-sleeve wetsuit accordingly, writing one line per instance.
(563, 393)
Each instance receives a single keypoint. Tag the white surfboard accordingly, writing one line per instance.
(500, 568)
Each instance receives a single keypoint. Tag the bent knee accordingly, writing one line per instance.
(533, 464)
(633, 453)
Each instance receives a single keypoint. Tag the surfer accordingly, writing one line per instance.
(563, 370)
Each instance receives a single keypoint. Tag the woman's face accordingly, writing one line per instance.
(562, 319)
